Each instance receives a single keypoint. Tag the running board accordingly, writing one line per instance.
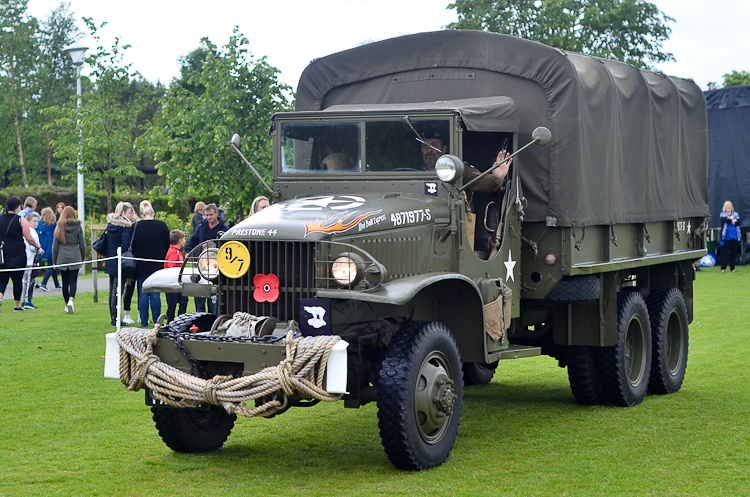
(518, 351)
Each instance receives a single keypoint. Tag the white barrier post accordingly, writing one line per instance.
(119, 285)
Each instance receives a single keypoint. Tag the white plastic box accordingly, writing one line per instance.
(112, 357)
(336, 368)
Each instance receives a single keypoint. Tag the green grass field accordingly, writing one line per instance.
(65, 430)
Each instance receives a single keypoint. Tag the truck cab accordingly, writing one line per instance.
(354, 185)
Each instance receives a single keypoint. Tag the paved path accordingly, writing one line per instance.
(84, 285)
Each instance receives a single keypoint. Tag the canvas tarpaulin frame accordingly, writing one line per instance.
(629, 145)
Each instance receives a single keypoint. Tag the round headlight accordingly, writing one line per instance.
(344, 270)
(208, 264)
(448, 168)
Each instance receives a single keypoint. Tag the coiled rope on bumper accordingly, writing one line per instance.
(302, 371)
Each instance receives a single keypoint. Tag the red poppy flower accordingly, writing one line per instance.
(266, 287)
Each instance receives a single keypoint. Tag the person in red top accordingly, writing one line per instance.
(177, 241)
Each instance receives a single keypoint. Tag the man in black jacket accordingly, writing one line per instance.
(210, 229)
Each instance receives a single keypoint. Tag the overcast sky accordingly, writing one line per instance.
(708, 38)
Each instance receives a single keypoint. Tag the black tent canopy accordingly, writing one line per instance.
(729, 156)
(628, 146)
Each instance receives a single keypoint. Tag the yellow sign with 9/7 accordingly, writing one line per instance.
(233, 259)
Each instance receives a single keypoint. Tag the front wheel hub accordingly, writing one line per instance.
(434, 397)
(445, 397)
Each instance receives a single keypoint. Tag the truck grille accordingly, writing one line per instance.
(292, 262)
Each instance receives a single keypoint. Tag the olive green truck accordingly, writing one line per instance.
(584, 252)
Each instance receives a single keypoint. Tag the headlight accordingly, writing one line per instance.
(208, 264)
(344, 270)
(449, 168)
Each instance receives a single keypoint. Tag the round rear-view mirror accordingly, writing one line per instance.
(235, 141)
(541, 135)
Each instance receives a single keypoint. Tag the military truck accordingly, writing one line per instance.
(584, 253)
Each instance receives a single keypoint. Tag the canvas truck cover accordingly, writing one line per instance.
(628, 145)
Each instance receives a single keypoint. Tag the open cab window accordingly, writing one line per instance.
(349, 146)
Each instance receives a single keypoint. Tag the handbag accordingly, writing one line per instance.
(100, 244)
(2, 244)
(128, 263)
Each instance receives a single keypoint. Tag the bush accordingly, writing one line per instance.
(175, 222)
(96, 202)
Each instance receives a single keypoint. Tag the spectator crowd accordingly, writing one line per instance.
(53, 243)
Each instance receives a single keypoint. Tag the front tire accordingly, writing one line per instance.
(669, 329)
(625, 368)
(193, 430)
(420, 396)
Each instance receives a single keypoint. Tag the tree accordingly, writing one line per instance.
(734, 78)
(18, 59)
(229, 93)
(100, 135)
(631, 31)
(57, 75)
(191, 68)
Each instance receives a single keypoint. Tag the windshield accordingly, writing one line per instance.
(390, 145)
(320, 147)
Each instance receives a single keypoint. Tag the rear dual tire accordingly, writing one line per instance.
(669, 324)
(659, 336)
(625, 368)
(617, 375)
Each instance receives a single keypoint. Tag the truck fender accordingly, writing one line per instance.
(449, 298)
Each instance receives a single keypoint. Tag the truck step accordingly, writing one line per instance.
(518, 351)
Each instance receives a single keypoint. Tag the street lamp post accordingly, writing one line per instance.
(77, 51)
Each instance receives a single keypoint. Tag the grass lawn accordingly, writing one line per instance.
(66, 430)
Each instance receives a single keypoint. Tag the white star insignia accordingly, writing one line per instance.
(688, 230)
(509, 265)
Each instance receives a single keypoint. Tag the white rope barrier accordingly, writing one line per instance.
(92, 262)
(119, 258)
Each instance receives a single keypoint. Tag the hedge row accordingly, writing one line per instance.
(96, 202)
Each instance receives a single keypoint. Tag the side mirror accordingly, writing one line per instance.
(541, 136)
(234, 143)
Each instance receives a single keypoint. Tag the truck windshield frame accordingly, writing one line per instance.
(308, 144)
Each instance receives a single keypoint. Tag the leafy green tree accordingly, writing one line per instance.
(191, 68)
(230, 93)
(734, 78)
(57, 75)
(631, 31)
(18, 68)
(101, 133)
